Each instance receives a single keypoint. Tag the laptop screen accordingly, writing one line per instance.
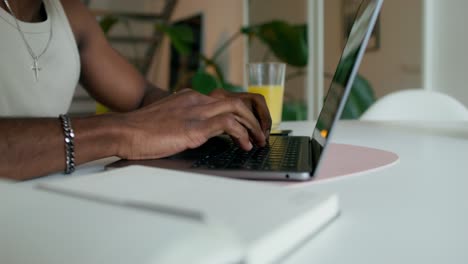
(345, 73)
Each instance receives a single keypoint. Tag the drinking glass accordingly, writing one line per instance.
(267, 79)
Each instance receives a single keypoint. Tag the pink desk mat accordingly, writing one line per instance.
(346, 160)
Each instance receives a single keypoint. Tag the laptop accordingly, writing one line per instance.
(285, 157)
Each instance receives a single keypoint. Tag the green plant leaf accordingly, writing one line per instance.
(363, 92)
(211, 63)
(302, 29)
(361, 95)
(293, 111)
(360, 98)
(352, 110)
(204, 82)
(181, 36)
(107, 22)
(288, 42)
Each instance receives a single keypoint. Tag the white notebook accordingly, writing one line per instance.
(269, 220)
(48, 228)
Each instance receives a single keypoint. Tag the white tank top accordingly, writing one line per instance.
(20, 94)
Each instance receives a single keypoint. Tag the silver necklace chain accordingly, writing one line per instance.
(35, 67)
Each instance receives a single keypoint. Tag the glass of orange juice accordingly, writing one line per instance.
(267, 79)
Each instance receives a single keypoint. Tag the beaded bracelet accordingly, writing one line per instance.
(69, 144)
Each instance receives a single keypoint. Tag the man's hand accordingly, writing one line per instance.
(188, 119)
(255, 102)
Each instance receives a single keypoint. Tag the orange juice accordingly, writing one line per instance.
(274, 98)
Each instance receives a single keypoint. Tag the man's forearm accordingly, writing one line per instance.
(34, 147)
(153, 94)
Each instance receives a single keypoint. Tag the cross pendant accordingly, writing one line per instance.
(36, 69)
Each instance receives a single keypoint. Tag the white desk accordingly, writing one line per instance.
(413, 212)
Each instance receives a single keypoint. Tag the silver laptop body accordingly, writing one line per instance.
(286, 157)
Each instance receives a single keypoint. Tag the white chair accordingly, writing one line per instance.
(417, 105)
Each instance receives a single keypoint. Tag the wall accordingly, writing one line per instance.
(82, 103)
(222, 19)
(127, 6)
(446, 40)
(294, 12)
(397, 63)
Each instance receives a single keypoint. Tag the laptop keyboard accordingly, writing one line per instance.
(280, 154)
